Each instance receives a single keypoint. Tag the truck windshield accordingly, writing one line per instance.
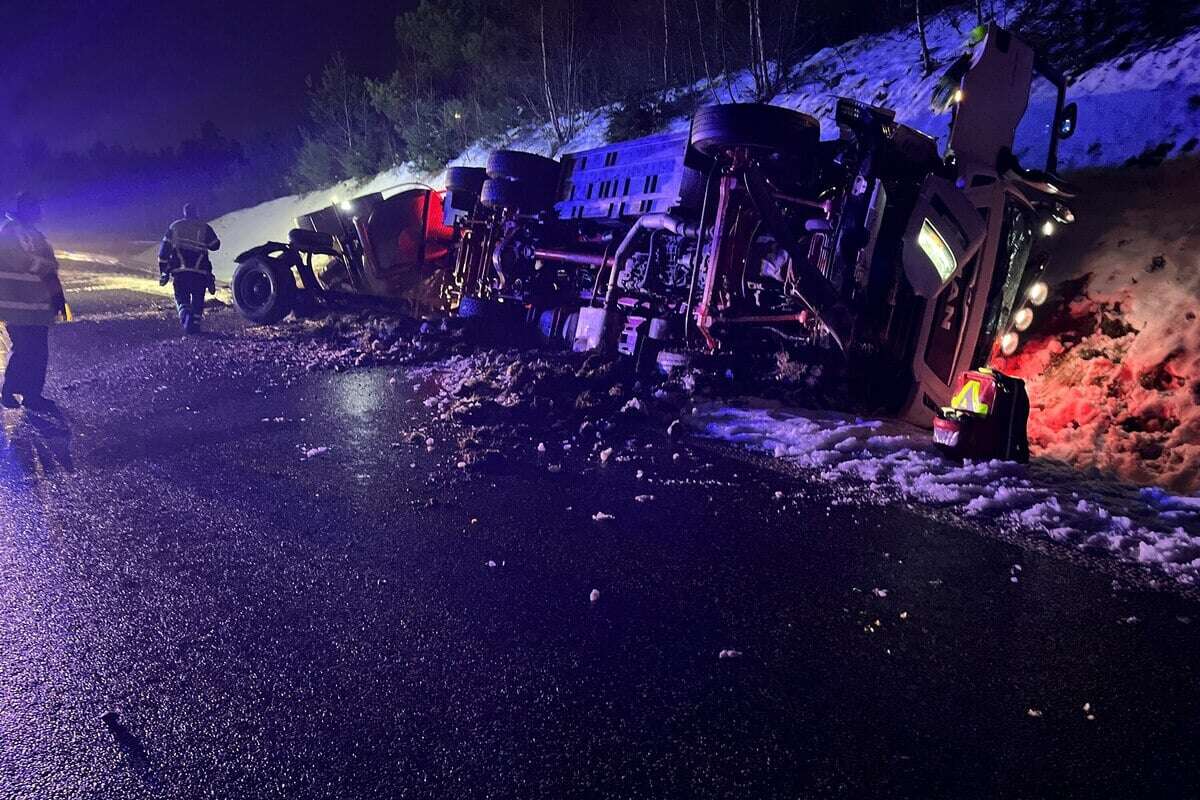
(1016, 242)
(1036, 129)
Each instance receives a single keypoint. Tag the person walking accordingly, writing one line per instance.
(183, 257)
(31, 297)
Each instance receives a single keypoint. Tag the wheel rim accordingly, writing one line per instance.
(257, 290)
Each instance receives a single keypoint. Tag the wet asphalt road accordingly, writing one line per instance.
(268, 625)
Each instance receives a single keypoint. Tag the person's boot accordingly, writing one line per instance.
(40, 403)
(185, 320)
(9, 401)
(197, 314)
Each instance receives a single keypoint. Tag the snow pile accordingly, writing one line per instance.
(1147, 526)
(1112, 362)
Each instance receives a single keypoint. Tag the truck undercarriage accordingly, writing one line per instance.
(895, 266)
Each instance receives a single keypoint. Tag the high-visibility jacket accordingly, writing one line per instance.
(30, 292)
(185, 247)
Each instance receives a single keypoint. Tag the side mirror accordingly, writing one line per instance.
(1067, 120)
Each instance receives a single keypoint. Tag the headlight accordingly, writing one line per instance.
(1008, 343)
(936, 249)
(1023, 319)
(1048, 228)
(1063, 214)
(1038, 293)
(346, 206)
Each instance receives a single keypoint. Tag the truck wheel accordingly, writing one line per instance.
(494, 320)
(468, 180)
(264, 290)
(533, 169)
(754, 125)
(473, 307)
(503, 193)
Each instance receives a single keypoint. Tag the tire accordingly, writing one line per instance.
(770, 129)
(503, 193)
(532, 169)
(494, 320)
(468, 180)
(515, 194)
(264, 290)
(473, 307)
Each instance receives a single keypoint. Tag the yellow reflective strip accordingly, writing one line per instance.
(967, 398)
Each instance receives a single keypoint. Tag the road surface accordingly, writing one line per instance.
(196, 600)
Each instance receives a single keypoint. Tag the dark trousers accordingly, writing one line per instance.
(189, 296)
(26, 371)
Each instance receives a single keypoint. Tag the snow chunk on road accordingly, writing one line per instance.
(895, 461)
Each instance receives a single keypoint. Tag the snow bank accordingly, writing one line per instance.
(1112, 362)
(1116, 98)
(1141, 526)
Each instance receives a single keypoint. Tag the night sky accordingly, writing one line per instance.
(149, 72)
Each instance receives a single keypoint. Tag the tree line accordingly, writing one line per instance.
(470, 70)
(129, 191)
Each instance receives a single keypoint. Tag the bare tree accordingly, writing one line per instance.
(926, 57)
(666, 46)
(561, 74)
(770, 63)
(708, 76)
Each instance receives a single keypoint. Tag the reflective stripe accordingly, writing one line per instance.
(20, 276)
(969, 399)
(25, 306)
(190, 244)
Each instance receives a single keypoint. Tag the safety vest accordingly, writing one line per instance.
(29, 286)
(191, 239)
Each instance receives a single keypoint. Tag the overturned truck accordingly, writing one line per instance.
(887, 263)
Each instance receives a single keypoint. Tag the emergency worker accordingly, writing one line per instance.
(183, 256)
(31, 297)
